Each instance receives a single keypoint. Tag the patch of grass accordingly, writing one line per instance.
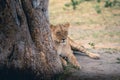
(66, 73)
(92, 44)
(97, 8)
(85, 13)
(118, 60)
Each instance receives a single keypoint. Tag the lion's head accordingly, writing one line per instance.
(60, 32)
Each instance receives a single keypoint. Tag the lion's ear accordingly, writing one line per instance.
(67, 25)
(52, 27)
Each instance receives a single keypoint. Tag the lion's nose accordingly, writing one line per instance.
(63, 39)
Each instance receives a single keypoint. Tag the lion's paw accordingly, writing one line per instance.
(94, 56)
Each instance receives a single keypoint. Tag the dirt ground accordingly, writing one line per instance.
(105, 68)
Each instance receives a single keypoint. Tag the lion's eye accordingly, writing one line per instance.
(58, 33)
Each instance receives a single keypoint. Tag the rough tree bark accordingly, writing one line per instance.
(26, 47)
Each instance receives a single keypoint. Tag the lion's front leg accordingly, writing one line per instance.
(81, 48)
(64, 62)
(72, 60)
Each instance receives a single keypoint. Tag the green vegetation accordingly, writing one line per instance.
(74, 3)
(92, 44)
(97, 8)
(118, 60)
(67, 72)
(107, 3)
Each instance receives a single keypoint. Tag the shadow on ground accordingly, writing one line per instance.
(106, 68)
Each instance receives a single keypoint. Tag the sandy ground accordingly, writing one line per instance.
(105, 68)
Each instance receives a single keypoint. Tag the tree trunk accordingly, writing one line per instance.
(26, 48)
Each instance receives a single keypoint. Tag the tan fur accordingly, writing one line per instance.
(65, 46)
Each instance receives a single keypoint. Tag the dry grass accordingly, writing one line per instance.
(86, 25)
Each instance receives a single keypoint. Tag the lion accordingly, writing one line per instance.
(65, 45)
